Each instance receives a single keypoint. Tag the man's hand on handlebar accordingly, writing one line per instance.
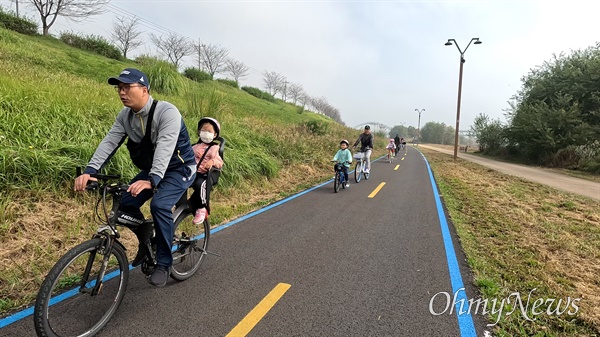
(138, 186)
(82, 181)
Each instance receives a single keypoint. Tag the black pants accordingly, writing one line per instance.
(201, 196)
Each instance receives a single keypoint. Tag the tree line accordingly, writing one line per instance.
(554, 119)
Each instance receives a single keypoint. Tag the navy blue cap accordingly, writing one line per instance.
(130, 75)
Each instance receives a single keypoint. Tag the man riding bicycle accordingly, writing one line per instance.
(159, 145)
(397, 142)
(366, 144)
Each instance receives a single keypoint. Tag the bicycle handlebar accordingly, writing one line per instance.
(105, 177)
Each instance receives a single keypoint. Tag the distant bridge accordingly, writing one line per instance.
(380, 127)
(375, 127)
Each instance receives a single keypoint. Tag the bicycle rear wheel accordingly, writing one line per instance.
(69, 303)
(357, 172)
(189, 243)
(336, 182)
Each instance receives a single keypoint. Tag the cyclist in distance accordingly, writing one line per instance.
(397, 142)
(366, 144)
(344, 158)
(159, 145)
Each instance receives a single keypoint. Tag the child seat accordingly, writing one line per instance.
(214, 173)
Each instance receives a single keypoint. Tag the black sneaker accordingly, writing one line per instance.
(159, 277)
(139, 257)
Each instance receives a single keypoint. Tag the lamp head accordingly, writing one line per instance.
(477, 41)
(448, 43)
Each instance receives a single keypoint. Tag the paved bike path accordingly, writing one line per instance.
(356, 266)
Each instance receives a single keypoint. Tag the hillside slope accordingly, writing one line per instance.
(55, 107)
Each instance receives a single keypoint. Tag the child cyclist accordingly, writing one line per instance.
(391, 147)
(207, 155)
(344, 158)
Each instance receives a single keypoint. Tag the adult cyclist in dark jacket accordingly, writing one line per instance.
(159, 145)
(366, 145)
(397, 141)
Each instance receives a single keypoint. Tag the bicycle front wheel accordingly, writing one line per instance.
(189, 243)
(82, 291)
(336, 182)
(357, 172)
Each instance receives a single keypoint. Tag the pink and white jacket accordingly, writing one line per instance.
(212, 154)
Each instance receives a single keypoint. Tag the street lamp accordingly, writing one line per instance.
(462, 61)
(419, 126)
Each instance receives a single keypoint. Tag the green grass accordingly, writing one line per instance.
(519, 236)
(56, 106)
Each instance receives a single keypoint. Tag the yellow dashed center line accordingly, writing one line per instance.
(259, 311)
(396, 168)
(402, 158)
(374, 193)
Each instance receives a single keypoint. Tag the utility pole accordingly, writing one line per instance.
(419, 126)
(284, 93)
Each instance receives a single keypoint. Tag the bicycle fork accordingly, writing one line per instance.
(107, 250)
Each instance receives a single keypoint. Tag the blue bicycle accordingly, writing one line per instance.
(339, 179)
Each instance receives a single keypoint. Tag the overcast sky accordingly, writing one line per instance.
(377, 61)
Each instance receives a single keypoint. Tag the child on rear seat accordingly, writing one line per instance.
(207, 155)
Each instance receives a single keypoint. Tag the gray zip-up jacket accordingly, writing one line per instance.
(168, 134)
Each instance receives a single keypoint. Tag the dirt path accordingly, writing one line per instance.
(562, 182)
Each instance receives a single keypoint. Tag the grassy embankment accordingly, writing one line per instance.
(519, 236)
(55, 107)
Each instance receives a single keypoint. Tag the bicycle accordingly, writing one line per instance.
(339, 179)
(360, 168)
(85, 287)
(390, 155)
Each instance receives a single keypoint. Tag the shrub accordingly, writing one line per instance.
(565, 158)
(259, 93)
(230, 83)
(21, 25)
(196, 74)
(164, 77)
(92, 43)
(317, 127)
(199, 103)
(145, 59)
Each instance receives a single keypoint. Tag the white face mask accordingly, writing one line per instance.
(206, 136)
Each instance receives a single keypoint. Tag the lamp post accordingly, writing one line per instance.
(462, 61)
(419, 126)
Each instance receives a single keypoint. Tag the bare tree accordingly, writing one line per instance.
(174, 46)
(319, 104)
(282, 87)
(295, 91)
(211, 58)
(126, 35)
(272, 82)
(304, 99)
(236, 69)
(75, 10)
